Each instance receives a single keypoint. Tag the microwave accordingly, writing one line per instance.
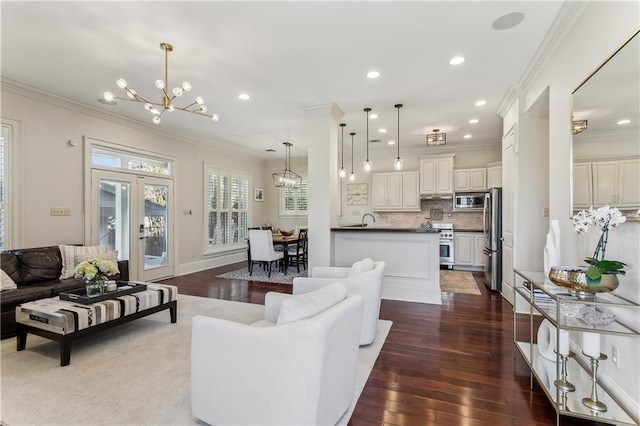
(469, 201)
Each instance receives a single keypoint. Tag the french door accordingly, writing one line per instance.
(133, 214)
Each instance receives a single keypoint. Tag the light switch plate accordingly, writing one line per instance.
(60, 211)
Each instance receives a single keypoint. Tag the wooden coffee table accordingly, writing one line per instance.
(65, 321)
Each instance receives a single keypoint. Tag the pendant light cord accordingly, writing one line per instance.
(398, 106)
(367, 111)
(352, 135)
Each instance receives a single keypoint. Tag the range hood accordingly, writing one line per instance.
(436, 196)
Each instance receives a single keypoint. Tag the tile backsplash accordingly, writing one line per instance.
(460, 220)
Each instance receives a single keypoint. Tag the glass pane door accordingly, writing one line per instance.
(156, 196)
(114, 213)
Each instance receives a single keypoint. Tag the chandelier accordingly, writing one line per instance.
(287, 178)
(436, 138)
(166, 103)
(578, 126)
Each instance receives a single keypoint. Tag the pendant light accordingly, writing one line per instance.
(343, 172)
(367, 164)
(287, 178)
(352, 176)
(397, 165)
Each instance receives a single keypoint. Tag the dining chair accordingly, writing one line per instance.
(299, 251)
(261, 245)
(249, 248)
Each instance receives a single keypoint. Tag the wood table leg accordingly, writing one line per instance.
(173, 311)
(65, 351)
(21, 340)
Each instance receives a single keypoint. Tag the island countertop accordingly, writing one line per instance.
(380, 229)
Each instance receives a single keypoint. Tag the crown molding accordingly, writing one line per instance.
(41, 95)
(320, 110)
(562, 24)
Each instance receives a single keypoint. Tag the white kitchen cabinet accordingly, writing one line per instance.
(436, 175)
(397, 191)
(616, 183)
(478, 253)
(468, 249)
(470, 179)
(494, 177)
(582, 186)
(463, 249)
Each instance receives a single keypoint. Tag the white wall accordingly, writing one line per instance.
(599, 31)
(52, 173)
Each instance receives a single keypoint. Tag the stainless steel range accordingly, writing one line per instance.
(446, 243)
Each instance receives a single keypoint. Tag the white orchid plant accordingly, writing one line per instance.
(605, 217)
(96, 269)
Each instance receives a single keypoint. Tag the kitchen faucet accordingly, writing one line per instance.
(365, 215)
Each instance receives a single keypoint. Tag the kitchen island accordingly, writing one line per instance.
(412, 257)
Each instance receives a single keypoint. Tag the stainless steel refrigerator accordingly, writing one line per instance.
(492, 219)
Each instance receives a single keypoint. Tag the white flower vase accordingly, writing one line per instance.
(551, 253)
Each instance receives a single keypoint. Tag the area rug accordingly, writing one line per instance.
(262, 276)
(458, 282)
(134, 374)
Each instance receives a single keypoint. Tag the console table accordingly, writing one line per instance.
(546, 300)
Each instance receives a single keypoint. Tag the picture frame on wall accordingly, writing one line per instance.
(357, 194)
(258, 194)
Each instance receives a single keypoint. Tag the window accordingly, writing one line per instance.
(125, 160)
(293, 202)
(227, 208)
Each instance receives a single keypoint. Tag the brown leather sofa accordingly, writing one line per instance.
(36, 272)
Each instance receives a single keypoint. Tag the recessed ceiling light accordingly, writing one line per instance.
(625, 121)
(457, 60)
(373, 74)
(473, 121)
(481, 102)
(508, 20)
(270, 150)
(383, 130)
(244, 96)
(373, 116)
(391, 142)
(467, 136)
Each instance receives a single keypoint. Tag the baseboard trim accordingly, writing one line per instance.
(211, 262)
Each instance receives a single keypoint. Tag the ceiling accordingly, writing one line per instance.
(285, 55)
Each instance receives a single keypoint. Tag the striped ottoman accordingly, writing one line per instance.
(65, 321)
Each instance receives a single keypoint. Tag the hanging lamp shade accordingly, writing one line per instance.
(352, 176)
(368, 165)
(287, 178)
(343, 172)
(397, 164)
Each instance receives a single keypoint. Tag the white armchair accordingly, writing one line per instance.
(363, 278)
(300, 372)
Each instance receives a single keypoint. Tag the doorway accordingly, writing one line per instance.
(132, 214)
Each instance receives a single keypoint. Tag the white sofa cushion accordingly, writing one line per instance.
(6, 283)
(68, 254)
(362, 266)
(310, 304)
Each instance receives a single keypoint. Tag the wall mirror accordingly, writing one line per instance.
(606, 133)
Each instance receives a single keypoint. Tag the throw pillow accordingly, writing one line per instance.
(112, 256)
(6, 283)
(69, 253)
(310, 304)
(364, 265)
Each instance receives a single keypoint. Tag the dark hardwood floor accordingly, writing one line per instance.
(446, 365)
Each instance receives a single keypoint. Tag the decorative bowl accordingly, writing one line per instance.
(286, 233)
(575, 278)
